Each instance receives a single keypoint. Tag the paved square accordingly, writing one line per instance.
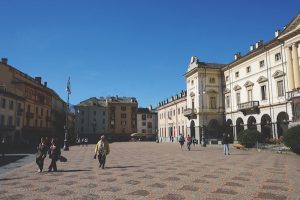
(142, 170)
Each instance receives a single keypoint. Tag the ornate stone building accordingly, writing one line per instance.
(262, 87)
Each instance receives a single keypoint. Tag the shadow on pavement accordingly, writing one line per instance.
(10, 158)
(121, 167)
(74, 170)
(8, 179)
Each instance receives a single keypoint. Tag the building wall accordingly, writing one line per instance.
(171, 119)
(147, 122)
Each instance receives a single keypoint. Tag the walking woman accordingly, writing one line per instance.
(54, 155)
(225, 141)
(102, 150)
(41, 154)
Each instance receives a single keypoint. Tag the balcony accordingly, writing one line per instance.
(29, 115)
(190, 113)
(251, 107)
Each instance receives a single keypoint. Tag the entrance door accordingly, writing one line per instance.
(192, 129)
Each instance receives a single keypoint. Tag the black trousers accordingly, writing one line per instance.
(53, 165)
(40, 163)
(102, 159)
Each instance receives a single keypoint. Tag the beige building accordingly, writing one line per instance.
(171, 119)
(147, 121)
(205, 102)
(115, 117)
(35, 110)
(262, 87)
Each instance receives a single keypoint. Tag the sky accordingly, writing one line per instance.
(133, 48)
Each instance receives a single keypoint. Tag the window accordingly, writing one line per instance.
(42, 112)
(28, 108)
(82, 112)
(149, 125)
(193, 105)
(103, 113)
(228, 101)
(123, 123)
(123, 108)
(143, 123)
(192, 83)
(263, 92)
(2, 120)
(280, 90)
(182, 129)
(3, 103)
(248, 69)
(11, 105)
(103, 121)
(95, 112)
(143, 130)
(213, 104)
(238, 98)
(227, 78)
(123, 115)
(178, 111)
(277, 56)
(174, 112)
(237, 74)
(212, 80)
(249, 92)
(82, 120)
(143, 117)
(41, 123)
(18, 121)
(261, 63)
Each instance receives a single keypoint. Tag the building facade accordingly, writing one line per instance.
(112, 116)
(205, 102)
(171, 119)
(147, 121)
(262, 87)
(34, 111)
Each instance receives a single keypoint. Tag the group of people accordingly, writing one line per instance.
(82, 141)
(189, 139)
(52, 149)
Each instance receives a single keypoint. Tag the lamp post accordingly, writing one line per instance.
(66, 147)
(203, 93)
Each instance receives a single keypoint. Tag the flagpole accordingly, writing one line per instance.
(66, 147)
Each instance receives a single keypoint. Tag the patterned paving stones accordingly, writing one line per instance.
(162, 171)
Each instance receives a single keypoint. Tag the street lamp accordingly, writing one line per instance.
(203, 127)
(66, 147)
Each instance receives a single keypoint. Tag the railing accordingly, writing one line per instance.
(189, 111)
(248, 105)
(292, 94)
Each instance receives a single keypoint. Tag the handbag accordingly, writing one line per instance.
(63, 159)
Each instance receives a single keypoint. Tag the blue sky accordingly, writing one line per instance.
(137, 48)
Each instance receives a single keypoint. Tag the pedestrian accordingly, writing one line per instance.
(102, 150)
(189, 142)
(181, 140)
(41, 154)
(82, 141)
(86, 141)
(54, 155)
(225, 142)
(3, 147)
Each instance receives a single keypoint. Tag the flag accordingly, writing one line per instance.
(69, 86)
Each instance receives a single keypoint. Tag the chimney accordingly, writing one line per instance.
(252, 47)
(45, 84)
(258, 44)
(4, 61)
(277, 32)
(237, 56)
(38, 79)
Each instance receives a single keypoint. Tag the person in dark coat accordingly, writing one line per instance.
(41, 154)
(225, 142)
(54, 155)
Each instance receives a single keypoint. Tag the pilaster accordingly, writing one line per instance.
(296, 65)
(290, 71)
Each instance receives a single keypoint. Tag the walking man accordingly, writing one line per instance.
(225, 142)
(102, 150)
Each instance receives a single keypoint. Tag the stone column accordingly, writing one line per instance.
(296, 65)
(290, 71)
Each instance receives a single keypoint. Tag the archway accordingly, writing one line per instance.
(213, 129)
(251, 123)
(229, 129)
(192, 129)
(266, 128)
(239, 125)
(282, 123)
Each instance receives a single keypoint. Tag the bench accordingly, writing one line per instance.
(239, 146)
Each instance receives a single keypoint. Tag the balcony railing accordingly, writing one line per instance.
(189, 111)
(248, 105)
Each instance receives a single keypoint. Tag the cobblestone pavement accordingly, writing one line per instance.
(163, 171)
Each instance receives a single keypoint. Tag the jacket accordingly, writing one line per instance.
(106, 148)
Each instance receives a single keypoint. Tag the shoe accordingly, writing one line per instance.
(102, 166)
(38, 171)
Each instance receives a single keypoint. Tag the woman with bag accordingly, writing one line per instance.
(102, 150)
(41, 154)
(54, 155)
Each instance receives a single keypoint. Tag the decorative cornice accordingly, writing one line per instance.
(226, 91)
(237, 87)
(262, 79)
(248, 84)
(278, 74)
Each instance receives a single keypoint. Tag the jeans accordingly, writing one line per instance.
(226, 149)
